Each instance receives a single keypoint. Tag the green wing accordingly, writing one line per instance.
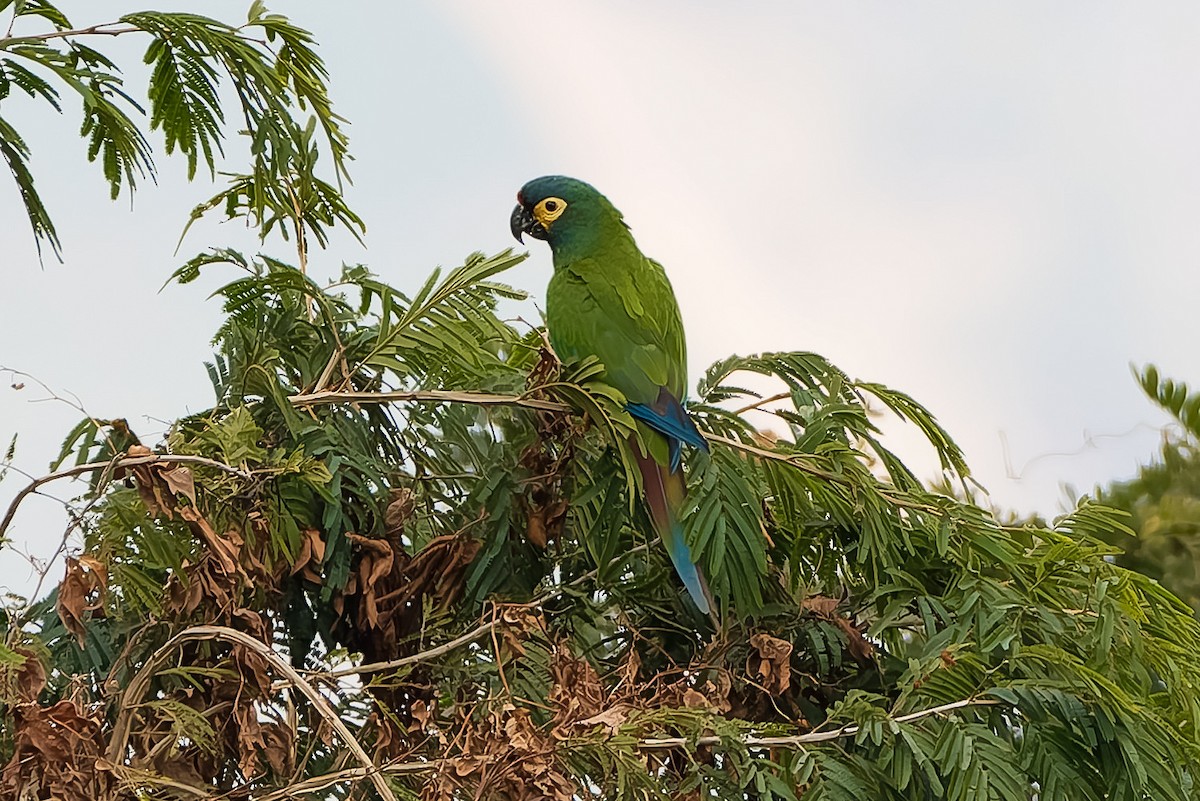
(621, 309)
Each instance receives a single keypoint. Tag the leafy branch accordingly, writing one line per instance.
(110, 466)
(270, 63)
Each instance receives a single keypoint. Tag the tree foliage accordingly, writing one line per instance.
(276, 76)
(1163, 499)
(401, 554)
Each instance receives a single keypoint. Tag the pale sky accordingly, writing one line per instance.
(989, 205)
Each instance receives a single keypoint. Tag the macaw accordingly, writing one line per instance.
(608, 300)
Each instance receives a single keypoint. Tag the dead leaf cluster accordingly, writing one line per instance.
(770, 662)
(232, 696)
(215, 582)
(24, 682)
(383, 602)
(503, 756)
(576, 692)
(81, 593)
(56, 754)
(546, 461)
(158, 483)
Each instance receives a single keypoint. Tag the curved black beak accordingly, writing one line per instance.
(522, 222)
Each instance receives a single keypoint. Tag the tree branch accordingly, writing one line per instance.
(762, 402)
(432, 653)
(91, 467)
(101, 29)
(428, 396)
(791, 741)
(310, 785)
(652, 744)
(141, 682)
(797, 461)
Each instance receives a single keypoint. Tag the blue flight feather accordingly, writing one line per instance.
(668, 417)
(681, 557)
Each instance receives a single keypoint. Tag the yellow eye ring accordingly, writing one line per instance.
(549, 210)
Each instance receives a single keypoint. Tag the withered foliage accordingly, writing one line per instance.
(81, 593)
(546, 461)
(56, 753)
(507, 754)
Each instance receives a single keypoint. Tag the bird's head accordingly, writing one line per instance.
(554, 206)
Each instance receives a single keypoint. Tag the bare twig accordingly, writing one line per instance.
(432, 653)
(112, 464)
(428, 396)
(791, 741)
(141, 681)
(762, 402)
(314, 783)
(101, 29)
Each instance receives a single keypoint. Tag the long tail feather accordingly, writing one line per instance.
(665, 490)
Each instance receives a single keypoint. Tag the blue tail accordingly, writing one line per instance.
(664, 488)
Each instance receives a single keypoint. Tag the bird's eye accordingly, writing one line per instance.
(545, 212)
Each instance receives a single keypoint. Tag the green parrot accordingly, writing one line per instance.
(610, 301)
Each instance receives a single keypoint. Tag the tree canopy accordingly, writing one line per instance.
(400, 556)
(1163, 499)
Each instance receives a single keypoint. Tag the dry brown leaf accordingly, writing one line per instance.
(253, 669)
(81, 591)
(181, 482)
(466, 765)
(520, 731)
(401, 506)
(536, 530)
(516, 624)
(225, 550)
(611, 719)
(437, 570)
(860, 648)
(205, 583)
(172, 766)
(718, 689)
(695, 700)
(820, 605)
(94, 565)
(254, 624)
(154, 491)
(576, 691)
(771, 661)
(544, 522)
(279, 747)
(375, 560)
(421, 713)
(311, 555)
(857, 644)
(30, 678)
(630, 669)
